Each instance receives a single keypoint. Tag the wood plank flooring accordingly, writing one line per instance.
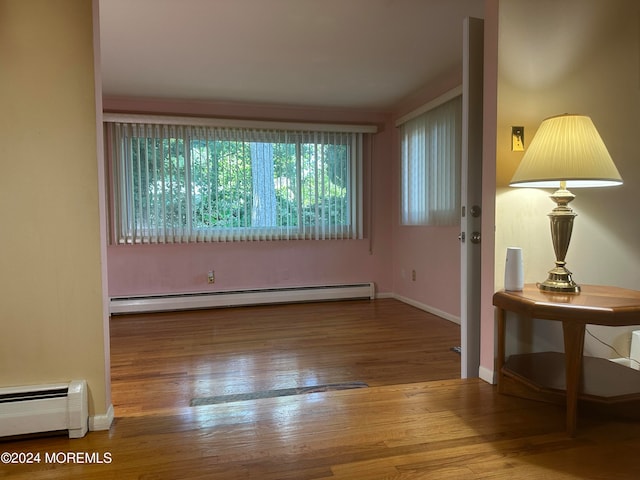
(415, 421)
(164, 360)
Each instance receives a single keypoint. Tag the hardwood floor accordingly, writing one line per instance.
(414, 421)
(165, 360)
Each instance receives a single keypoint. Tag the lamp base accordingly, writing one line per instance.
(561, 218)
(559, 280)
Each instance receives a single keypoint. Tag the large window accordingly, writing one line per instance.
(430, 166)
(190, 183)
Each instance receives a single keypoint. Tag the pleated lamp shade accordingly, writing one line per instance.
(566, 148)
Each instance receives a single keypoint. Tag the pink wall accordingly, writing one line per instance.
(183, 268)
(148, 269)
(433, 252)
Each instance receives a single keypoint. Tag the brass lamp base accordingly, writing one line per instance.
(559, 280)
(561, 218)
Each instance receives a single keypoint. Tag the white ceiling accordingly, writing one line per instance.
(334, 53)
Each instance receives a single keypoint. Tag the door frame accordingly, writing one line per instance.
(471, 196)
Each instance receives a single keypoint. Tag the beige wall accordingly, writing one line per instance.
(574, 56)
(51, 308)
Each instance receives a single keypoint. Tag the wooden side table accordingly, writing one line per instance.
(590, 379)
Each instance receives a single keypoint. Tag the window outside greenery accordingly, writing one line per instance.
(181, 183)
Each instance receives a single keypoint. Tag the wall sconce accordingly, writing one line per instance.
(566, 151)
(517, 139)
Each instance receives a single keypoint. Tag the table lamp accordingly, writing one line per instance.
(566, 152)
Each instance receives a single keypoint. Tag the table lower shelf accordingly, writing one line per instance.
(604, 386)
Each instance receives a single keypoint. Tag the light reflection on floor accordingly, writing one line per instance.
(239, 376)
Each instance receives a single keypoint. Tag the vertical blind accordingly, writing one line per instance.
(190, 183)
(430, 166)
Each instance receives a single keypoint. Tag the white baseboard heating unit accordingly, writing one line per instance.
(45, 408)
(186, 301)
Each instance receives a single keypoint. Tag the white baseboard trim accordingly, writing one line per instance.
(385, 295)
(102, 422)
(427, 308)
(487, 375)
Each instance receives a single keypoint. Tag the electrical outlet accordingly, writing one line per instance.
(413, 275)
(211, 277)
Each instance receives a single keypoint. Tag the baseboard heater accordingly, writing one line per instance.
(188, 301)
(45, 408)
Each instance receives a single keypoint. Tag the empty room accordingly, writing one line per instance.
(286, 239)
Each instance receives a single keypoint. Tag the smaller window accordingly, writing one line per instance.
(430, 166)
